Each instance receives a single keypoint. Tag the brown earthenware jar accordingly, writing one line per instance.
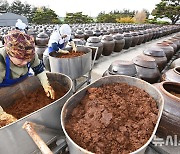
(175, 41)
(94, 41)
(172, 75)
(170, 120)
(42, 39)
(121, 67)
(119, 42)
(141, 37)
(146, 68)
(135, 39)
(159, 56)
(79, 34)
(128, 40)
(171, 44)
(87, 34)
(168, 50)
(108, 45)
(175, 63)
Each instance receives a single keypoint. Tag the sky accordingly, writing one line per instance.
(92, 7)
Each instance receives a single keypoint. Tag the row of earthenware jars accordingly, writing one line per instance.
(143, 67)
(170, 90)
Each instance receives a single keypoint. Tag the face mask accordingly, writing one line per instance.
(66, 39)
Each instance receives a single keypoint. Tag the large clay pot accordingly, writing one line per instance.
(159, 56)
(128, 40)
(135, 39)
(87, 34)
(119, 42)
(121, 67)
(168, 50)
(146, 68)
(97, 32)
(146, 36)
(141, 37)
(175, 41)
(108, 45)
(175, 63)
(172, 75)
(104, 32)
(170, 121)
(150, 34)
(42, 39)
(95, 42)
(171, 44)
(79, 34)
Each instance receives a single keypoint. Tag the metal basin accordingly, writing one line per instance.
(14, 139)
(73, 67)
(73, 101)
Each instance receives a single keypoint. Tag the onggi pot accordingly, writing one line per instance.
(172, 75)
(73, 101)
(170, 121)
(108, 45)
(119, 42)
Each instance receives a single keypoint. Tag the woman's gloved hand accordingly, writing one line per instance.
(63, 51)
(49, 91)
(74, 48)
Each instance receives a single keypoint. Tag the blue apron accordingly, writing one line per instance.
(8, 81)
(60, 46)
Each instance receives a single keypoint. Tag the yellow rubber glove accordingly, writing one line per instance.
(63, 51)
(49, 91)
(74, 48)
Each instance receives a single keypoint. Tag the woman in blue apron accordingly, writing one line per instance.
(58, 40)
(17, 58)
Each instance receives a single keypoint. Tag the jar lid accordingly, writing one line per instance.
(121, 67)
(118, 36)
(134, 33)
(127, 35)
(145, 61)
(107, 38)
(42, 35)
(93, 39)
(155, 52)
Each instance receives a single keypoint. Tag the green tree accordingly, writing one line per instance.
(77, 17)
(45, 15)
(106, 18)
(4, 6)
(32, 13)
(26, 11)
(16, 7)
(168, 8)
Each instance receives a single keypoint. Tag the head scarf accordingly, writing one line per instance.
(19, 45)
(65, 29)
(20, 25)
